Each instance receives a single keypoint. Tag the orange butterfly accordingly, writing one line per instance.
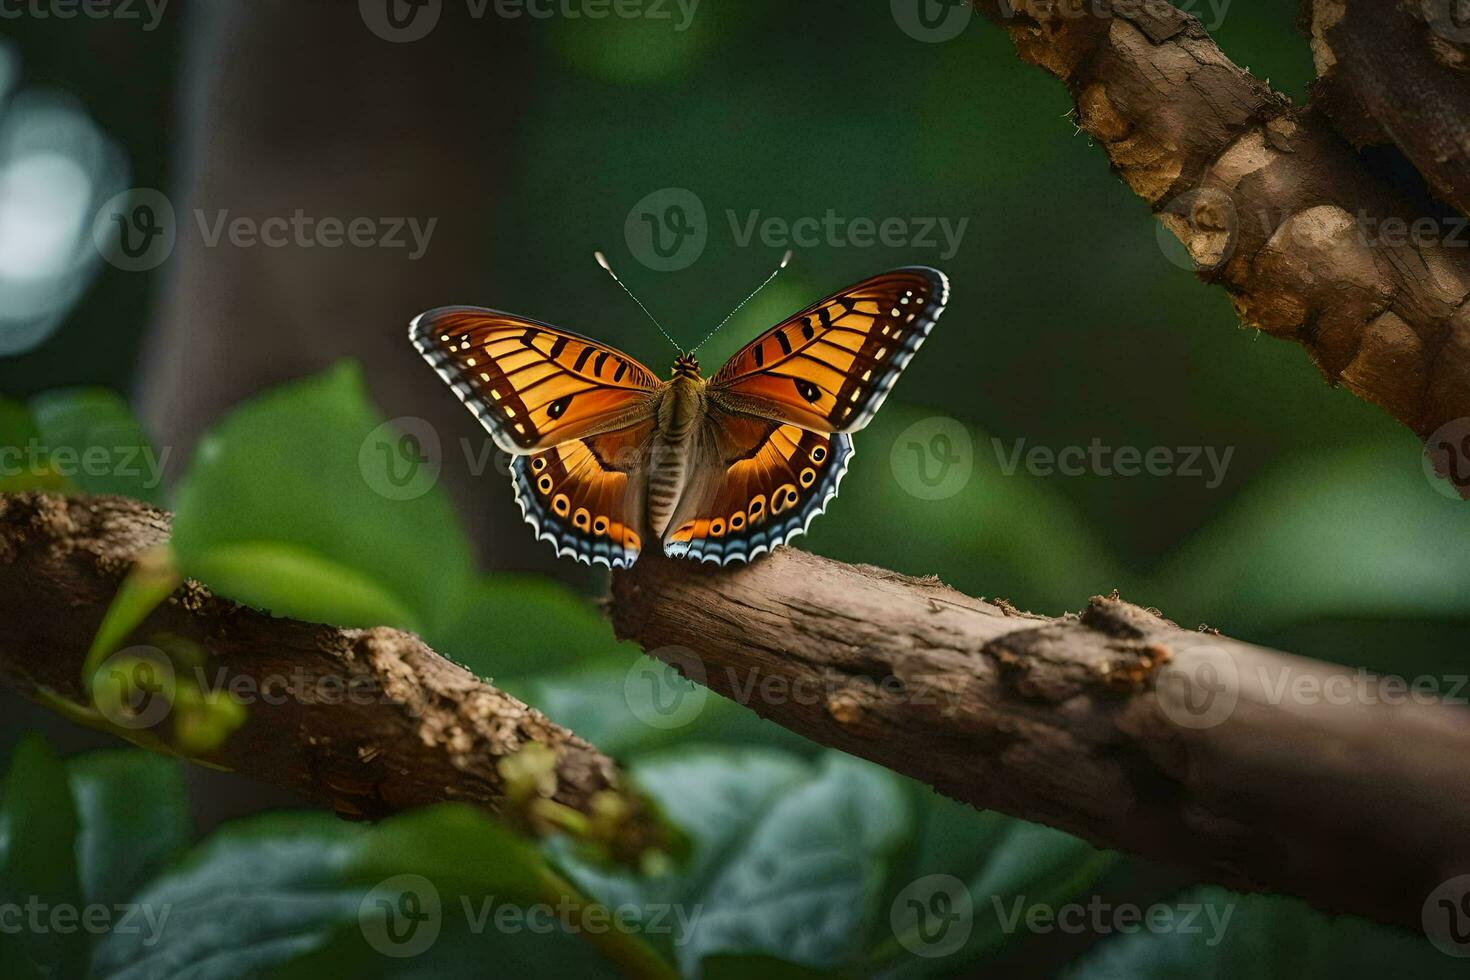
(720, 469)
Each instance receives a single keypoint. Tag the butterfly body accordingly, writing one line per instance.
(719, 469)
(681, 407)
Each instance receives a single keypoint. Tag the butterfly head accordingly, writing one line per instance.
(686, 366)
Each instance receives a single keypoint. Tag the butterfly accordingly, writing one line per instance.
(607, 457)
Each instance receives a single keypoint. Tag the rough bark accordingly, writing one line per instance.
(1114, 724)
(1395, 72)
(1270, 201)
(416, 729)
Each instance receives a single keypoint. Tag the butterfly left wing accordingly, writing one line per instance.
(829, 367)
(758, 483)
(576, 414)
(530, 384)
(586, 496)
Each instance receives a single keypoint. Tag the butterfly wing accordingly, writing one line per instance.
(829, 367)
(758, 484)
(576, 414)
(586, 496)
(530, 384)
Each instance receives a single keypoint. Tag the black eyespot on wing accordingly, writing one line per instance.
(558, 408)
(807, 390)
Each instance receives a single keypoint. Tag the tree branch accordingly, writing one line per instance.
(1270, 202)
(1251, 767)
(1395, 72)
(367, 722)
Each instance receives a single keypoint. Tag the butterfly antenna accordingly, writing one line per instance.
(785, 259)
(602, 261)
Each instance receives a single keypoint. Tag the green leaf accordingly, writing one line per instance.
(1359, 533)
(38, 866)
(1258, 937)
(743, 966)
(92, 438)
(23, 463)
(415, 894)
(607, 702)
(134, 819)
(291, 580)
(993, 859)
(288, 505)
(789, 858)
(251, 897)
(510, 626)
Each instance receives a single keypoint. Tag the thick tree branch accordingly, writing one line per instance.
(1394, 71)
(1254, 768)
(1270, 201)
(367, 722)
